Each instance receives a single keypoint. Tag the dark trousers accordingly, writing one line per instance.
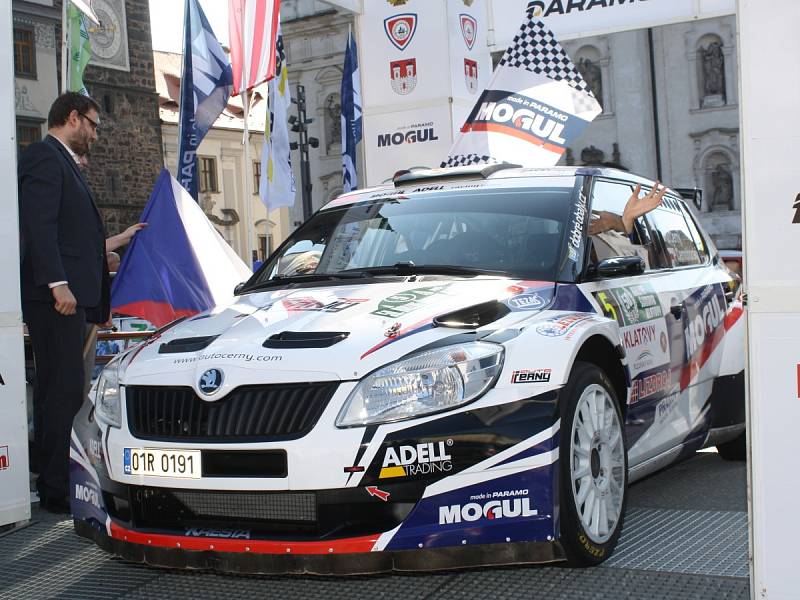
(58, 390)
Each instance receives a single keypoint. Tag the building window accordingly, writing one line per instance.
(208, 174)
(24, 52)
(28, 132)
(256, 176)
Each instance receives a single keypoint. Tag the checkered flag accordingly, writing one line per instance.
(536, 49)
(463, 160)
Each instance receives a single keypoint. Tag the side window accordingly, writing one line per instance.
(676, 237)
(695, 231)
(609, 238)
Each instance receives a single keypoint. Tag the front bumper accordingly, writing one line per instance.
(500, 510)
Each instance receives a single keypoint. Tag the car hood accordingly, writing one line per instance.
(336, 332)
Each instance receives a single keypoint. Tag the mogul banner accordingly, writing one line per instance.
(581, 18)
(423, 65)
(536, 104)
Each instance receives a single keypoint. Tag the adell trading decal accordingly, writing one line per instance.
(419, 459)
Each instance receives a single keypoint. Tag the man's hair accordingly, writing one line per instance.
(65, 104)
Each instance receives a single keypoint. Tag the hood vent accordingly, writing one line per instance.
(192, 344)
(305, 339)
(473, 317)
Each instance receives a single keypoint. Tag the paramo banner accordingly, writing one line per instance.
(581, 18)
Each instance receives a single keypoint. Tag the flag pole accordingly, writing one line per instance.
(64, 46)
(248, 167)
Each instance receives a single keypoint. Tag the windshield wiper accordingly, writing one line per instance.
(304, 278)
(409, 268)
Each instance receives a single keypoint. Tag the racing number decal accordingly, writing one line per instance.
(608, 308)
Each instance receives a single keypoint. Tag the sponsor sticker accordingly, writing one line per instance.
(230, 534)
(469, 29)
(563, 325)
(400, 29)
(631, 305)
(88, 494)
(796, 207)
(234, 356)
(496, 505)
(5, 462)
(418, 133)
(650, 385)
(397, 305)
(665, 407)
(531, 376)
(302, 304)
(703, 316)
(526, 302)
(420, 459)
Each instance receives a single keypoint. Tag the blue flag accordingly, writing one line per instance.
(206, 85)
(351, 115)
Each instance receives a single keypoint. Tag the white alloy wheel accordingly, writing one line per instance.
(597, 463)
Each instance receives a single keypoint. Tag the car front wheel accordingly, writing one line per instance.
(593, 467)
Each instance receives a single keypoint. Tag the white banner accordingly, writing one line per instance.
(14, 495)
(770, 88)
(423, 65)
(581, 18)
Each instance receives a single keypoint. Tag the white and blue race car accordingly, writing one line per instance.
(445, 371)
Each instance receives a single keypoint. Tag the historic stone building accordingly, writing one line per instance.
(695, 115)
(128, 156)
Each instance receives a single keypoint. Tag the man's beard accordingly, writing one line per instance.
(80, 143)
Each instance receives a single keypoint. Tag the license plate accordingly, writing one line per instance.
(162, 462)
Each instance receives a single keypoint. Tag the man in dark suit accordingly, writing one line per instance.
(64, 280)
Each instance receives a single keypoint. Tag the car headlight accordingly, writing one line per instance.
(107, 397)
(426, 383)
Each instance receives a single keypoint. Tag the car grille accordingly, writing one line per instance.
(247, 414)
(161, 507)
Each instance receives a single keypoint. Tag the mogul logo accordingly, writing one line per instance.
(412, 136)
(639, 336)
(545, 8)
(231, 534)
(534, 376)
(87, 494)
(403, 74)
(493, 509)
(4, 462)
(422, 459)
(705, 322)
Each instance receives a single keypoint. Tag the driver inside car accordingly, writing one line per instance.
(615, 235)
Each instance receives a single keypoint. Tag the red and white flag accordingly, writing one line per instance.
(253, 28)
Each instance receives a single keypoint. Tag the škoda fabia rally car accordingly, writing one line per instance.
(446, 371)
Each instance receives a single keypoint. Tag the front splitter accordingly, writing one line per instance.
(355, 563)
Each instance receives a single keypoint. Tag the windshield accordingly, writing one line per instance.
(517, 232)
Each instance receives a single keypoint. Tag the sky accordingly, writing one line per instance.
(166, 22)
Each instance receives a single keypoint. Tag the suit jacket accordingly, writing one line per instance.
(61, 231)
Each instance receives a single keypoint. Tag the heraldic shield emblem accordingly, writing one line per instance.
(471, 75)
(400, 29)
(469, 29)
(404, 75)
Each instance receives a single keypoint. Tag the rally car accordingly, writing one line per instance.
(444, 371)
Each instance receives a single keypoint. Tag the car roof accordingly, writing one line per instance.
(477, 176)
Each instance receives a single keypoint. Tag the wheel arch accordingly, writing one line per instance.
(601, 351)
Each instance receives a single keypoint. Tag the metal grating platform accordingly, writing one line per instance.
(675, 554)
(683, 541)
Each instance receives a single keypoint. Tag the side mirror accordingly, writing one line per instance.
(620, 266)
(237, 290)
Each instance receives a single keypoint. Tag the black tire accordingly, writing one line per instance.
(580, 549)
(736, 449)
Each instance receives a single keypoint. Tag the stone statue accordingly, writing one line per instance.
(721, 189)
(592, 156)
(713, 62)
(333, 120)
(593, 76)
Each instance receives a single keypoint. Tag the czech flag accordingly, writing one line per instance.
(179, 265)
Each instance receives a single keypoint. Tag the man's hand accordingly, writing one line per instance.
(131, 231)
(65, 301)
(636, 207)
(602, 220)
